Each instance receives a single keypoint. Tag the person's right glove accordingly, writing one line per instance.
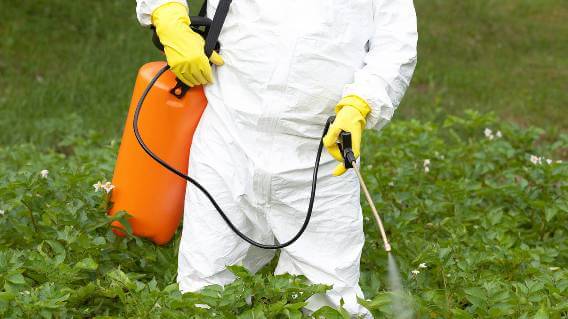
(183, 47)
(350, 116)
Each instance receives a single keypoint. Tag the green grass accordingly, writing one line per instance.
(502, 56)
(67, 57)
(68, 65)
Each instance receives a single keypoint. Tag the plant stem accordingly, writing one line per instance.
(448, 303)
(31, 215)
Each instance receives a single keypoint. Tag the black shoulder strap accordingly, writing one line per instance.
(216, 25)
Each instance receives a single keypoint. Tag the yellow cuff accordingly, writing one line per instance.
(355, 101)
(170, 12)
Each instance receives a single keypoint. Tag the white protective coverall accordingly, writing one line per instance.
(287, 64)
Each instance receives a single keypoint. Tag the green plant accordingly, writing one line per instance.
(477, 222)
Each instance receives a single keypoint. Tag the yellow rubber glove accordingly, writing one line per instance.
(182, 46)
(350, 116)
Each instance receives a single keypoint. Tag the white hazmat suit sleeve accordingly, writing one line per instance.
(144, 9)
(390, 61)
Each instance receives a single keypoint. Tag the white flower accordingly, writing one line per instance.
(554, 268)
(535, 159)
(44, 173)
(548, 161)
(2, 212)
(415, 272)
(426, 162)
(391, 184)
(98, 186)
(422, 265)
(108, 187)
(559, 161)
(489, 134)
(426, 169)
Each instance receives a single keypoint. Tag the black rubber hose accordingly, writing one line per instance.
(204, 190)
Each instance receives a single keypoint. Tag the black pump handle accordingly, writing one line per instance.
(345, 145)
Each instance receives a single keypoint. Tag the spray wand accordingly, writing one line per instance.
(401, 304)
(346, 149)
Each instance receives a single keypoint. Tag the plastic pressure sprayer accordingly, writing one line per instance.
(211, 33)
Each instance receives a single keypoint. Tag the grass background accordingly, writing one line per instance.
(71, 65)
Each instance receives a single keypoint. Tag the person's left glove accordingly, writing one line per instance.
(182, 46)
(351, 112)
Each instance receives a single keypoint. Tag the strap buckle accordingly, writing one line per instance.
(180, 89)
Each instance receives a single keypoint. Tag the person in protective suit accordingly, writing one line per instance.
(286, 67)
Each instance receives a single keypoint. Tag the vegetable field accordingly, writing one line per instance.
(477, 213)
(471, 178)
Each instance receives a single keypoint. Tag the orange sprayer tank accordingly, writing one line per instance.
(143, 188)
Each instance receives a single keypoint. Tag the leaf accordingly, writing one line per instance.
(376, 303)
(292, 313)
(123, 218)
(255, 313)
(549, 213)
(6, 296)
(87, 264)
(239, 271)
(295, 306)
(475, 295)
(541, 314)
(328, 313)
(17, 279)
(461, 314)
